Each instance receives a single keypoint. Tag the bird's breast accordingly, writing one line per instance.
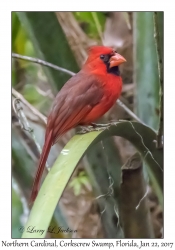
(112, 87)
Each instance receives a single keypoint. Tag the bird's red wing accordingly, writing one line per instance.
(75, 100)
(72, 123)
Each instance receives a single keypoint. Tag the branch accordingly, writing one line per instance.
(158, 43)
(36, 60)
(23, 120)
(121, 104)
(25, 124)
(42, 62)
(33, 109)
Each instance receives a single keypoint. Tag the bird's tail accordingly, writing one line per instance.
(41, 165)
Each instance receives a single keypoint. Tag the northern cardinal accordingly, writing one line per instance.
(83, 99)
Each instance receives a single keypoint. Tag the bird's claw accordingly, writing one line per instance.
(93, 127)
(85, 130)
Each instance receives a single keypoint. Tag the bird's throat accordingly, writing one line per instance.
(114, 70)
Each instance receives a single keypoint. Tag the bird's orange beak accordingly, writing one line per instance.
(116, 60)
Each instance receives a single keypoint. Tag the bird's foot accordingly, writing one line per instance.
(92, 127)
(85, 130)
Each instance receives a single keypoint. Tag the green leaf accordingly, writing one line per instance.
(160, 16)
(146, 69)
(15, 28)
(16, 213)
(87, 22)
(141, 136)
(50, 44)
(23, 164)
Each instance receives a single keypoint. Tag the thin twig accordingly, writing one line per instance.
(16, 94)
(42, 62)
(160, 69)
(23, 120)
(24, 123)
(121, 104)
(36, 60)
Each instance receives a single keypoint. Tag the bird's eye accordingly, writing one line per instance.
(105, 58)
(102, 57)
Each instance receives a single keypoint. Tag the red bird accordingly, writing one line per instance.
(83, 99)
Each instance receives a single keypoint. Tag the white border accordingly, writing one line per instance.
(5, 93)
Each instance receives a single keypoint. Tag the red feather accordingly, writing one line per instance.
(42, 162)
